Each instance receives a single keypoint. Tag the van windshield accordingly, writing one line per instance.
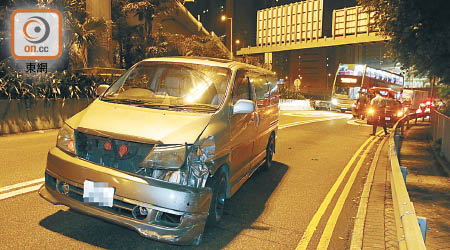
(163, 85)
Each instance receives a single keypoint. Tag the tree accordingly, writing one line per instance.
(120, 31)
(168, 44)
(133, 41)
(75, 10)
(83, 37)
(419, 34)
(145, 10)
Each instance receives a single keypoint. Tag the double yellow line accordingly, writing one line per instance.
(331, 223)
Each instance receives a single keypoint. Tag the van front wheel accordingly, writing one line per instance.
(218, 184)
(270, 150)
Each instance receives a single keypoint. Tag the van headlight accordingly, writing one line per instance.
(66, 139)
(334, 101)
(168, 157)
(201, 155)
(181, 164)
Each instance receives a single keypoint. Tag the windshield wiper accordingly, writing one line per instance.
(157, 106)
(125, 101)
(195, 106)
(150, 104)
(202, 107)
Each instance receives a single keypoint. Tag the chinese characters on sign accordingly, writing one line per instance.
(36, 67)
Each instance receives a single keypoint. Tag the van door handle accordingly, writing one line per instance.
(252, 118)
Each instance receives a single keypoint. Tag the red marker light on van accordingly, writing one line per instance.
(123, 150)
(107, 146)
(71, 146)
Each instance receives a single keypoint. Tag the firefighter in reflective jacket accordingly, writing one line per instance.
(378, 103)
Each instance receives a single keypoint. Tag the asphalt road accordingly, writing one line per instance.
(286, 207)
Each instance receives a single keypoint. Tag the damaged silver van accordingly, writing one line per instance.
(161, 149)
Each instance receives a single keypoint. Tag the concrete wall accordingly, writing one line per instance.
(29, 115)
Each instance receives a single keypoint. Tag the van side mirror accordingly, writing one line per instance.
(243, 106)
(101, 89)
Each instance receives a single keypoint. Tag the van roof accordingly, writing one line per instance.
(208, 61)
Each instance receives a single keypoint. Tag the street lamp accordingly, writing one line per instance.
(328, 80)
(224, 18)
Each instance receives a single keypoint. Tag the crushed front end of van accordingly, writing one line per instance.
(159, 191)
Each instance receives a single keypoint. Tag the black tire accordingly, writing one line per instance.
(270, 150)
(218, 184)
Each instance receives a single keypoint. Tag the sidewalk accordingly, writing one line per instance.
(428, 187)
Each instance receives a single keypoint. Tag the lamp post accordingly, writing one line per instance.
(224, 18)
(328, 81)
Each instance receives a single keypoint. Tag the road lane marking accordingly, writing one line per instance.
(331, 223)
(287, 125)
(358, 123)
(307, 235)
(20, 191)
(22, 184)
(358, 228)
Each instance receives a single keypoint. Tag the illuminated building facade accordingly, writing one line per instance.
(307, 40)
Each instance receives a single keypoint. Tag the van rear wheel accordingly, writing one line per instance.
(270, 150)
(218, 184)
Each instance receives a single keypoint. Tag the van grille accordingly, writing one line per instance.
(92, 148)
(119, 207)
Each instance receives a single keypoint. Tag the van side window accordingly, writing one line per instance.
(242, 88)
(259, 82)
(273, 89)
(272, 85)
(261, 86)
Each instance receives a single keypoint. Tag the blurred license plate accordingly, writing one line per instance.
(98, 193)
(387, 118)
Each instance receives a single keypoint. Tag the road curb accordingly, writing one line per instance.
(358, 229)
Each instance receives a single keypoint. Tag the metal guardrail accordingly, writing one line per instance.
(440, 124)
(409, 234)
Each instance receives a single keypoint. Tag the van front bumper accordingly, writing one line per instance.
(175, 213)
